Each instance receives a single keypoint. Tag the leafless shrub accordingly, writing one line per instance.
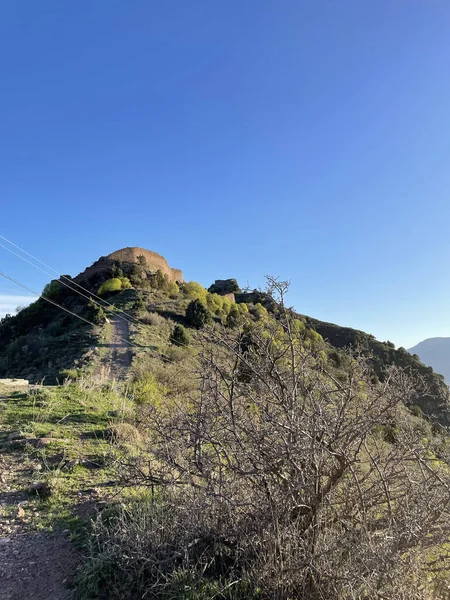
(279, 469)
(153, 318)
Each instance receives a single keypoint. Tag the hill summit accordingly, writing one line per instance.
(83, 333)
(131, 255)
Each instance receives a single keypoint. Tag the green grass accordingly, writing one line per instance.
(75, 457)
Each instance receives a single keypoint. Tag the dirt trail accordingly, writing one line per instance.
(33, 564)
(119, 358)
(36, 565)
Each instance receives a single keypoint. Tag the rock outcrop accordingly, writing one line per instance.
(131, 255)
(154, 261)
(224, 286)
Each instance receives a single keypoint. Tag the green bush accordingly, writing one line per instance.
(59, 290)
(173, 289)
(179, 336)
(116, 269)
(139, 304)
(226, 306)
(159, 281)
(215, 303)
(233, 316)
(69, 374)
(126, 283)
(197, 314)
(224, 286)
(109, 286)
(147, 390)
(95, 312)
(260, 312)
(195, 291)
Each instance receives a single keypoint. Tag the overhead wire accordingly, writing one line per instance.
(66, 284)
(129, 318)
(25, 287)
(72, 282)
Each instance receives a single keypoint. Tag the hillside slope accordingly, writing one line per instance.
(41, 342)
(234, 432)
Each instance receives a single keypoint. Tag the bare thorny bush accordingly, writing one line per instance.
(277, 472)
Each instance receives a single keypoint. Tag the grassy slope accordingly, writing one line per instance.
(62, 441)
(77, 458)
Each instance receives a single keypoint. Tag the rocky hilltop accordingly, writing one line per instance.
(42, 341)
(154, 262)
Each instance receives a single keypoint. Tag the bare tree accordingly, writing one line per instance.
(305, 480)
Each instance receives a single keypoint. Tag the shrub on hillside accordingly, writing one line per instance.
(139, 303)
(95, 313)
(286, 480)
(215, 303)
(179, 336)
(259, 312)
(126, 283)
(147, 390)
(154, 319)
(233, 316)
(59, 290)
(69, 375)
(173, 289)
(136, 274)
(195, 291)
(226, 306)
(197, 314)
(109, 286)
(116, 269)
(159, 281)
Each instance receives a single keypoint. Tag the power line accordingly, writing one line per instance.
(55, 304)
(72, 282)
(91, 294)
(62, 282)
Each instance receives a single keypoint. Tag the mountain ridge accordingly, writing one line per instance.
(41, 341)
(435, 352)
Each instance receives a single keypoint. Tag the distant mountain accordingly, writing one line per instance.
(435, 352)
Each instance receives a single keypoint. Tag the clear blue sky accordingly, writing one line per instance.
(305, 139)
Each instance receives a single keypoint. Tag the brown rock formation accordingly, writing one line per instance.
(130, 255)
(154, 261)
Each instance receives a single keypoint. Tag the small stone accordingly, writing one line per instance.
(15, 435)
(20, 513)
(45, 441)
(41, 489)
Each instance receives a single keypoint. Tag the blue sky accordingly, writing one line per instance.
(305, 139)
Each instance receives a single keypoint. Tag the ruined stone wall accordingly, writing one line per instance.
(130, 255)
(154, 261)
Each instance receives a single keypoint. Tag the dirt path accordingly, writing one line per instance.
(33, 564)
(118, 360)
(36, 565)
